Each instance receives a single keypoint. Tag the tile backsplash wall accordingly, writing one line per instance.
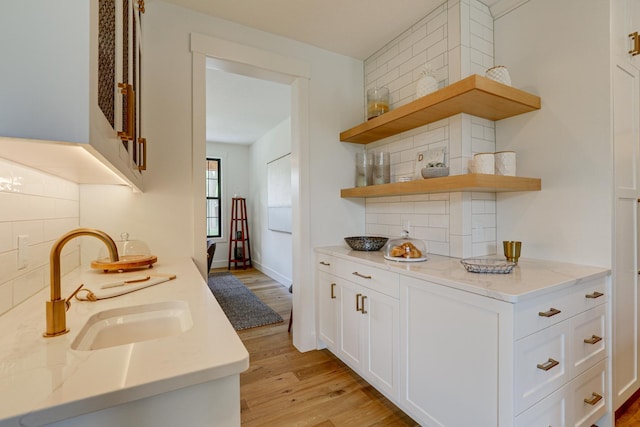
(41, 207)
(456, 40)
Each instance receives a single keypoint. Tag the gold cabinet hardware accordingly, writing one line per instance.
(142, 143)
(362, 310)
(355, 273)
(635, 40)
(552, 312)
(333, 295)
(358, 302)
(324, 263)
(548, 364)
(594, 339)
(595, 398)
(130, 101)
(594, 295)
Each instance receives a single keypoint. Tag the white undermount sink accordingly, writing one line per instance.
(127, 325)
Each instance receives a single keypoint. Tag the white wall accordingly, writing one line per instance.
(560, 51)
(235, 181)
(271, 250)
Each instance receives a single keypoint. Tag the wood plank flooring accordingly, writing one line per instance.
(284, 387)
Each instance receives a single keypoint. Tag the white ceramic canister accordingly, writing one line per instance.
(483, 163)
(500, 74)
(505, 163)
(427, 83)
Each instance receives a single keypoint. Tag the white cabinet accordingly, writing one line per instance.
(328, 310)
(53, 61)
(449, 357)
(626, 150)
(452, 344)
(359, 323)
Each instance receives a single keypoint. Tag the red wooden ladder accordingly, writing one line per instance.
(239, 246)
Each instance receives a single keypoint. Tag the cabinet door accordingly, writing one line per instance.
(350, 319)
(625, 269)
(327, 308)
(457, 351)
(381, 340)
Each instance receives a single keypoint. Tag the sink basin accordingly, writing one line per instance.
(127, 325)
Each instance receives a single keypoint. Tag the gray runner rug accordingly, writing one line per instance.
(243, 309)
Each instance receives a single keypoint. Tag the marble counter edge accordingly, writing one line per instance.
(376, 259)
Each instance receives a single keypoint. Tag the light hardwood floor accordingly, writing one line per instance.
(284, 387)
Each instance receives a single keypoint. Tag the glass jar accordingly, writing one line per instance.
(377, 102)
(381, 167)
(364, 169)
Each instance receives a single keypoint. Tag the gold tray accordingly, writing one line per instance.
(126, 263)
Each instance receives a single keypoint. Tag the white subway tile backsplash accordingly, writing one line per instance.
(42, 207)
(456, 40)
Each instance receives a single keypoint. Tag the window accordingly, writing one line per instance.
(214, 202)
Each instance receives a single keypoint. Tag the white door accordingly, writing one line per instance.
(350, 320)
(327, 307)
(625, 269)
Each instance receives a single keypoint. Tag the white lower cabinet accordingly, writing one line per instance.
(368, 335)
(451, 358)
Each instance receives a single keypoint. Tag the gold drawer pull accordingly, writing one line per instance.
(594, 339)
(358, 302)
(324, 263)
(552, 312)
(595, 398)
(362, 310)
(594, 295)
(333, 295)
(355, 273)
(548, 364)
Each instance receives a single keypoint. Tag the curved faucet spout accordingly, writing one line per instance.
(57, 307)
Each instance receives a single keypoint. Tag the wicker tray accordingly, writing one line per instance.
(482, 265)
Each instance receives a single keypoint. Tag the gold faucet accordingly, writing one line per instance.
(57, 308)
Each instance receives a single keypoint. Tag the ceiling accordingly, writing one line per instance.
(238, 108)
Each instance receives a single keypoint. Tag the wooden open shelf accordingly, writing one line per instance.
(447, 184)
(475, 95)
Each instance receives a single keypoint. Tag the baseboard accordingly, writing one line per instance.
(284, 281)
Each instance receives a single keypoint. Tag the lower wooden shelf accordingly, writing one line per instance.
(448, 184)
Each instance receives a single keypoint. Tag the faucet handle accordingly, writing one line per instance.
(67, 302)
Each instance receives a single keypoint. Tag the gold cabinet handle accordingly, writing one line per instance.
(130, 101)
(594, 339)
(142, 143)
(594, 295)
(333, 295)
(325, 263)
(595, 398)
(635, 40)
(548, 364)
(358, 302)
(362, 310)
(355, 273)
(552, 312)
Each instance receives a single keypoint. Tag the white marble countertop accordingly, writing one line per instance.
(529, 279)
(43, 380)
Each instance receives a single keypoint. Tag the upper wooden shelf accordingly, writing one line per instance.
(475, 95)
(447, 184)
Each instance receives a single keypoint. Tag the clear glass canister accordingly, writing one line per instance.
(377, 102)
(364, 169)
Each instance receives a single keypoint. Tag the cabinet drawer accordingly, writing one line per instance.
(325, 263)
(383, 281)
(552, 411)
(588, 399)
(588, 339)
(542, 365)
(548, 310)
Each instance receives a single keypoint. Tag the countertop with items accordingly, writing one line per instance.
(530, 278)
(43, 380)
